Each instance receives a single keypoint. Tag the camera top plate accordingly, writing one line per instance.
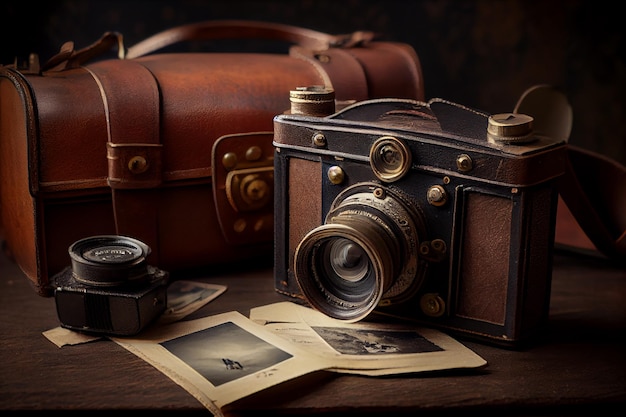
(439, 117)
(441, 135)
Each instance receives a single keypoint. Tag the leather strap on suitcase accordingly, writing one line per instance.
(133, 149)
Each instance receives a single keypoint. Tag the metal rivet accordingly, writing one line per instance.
(319, 140)
(229, 160)
(138, 164)
(464, 162)
(323, 58)
(253, 153)
(439, 246)
(437, 195)
(239, 226)
(335, 174)
(433, 251)
(432, 305)
(258, 226)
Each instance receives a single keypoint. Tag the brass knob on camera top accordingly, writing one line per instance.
(312, 101)
(510, 128)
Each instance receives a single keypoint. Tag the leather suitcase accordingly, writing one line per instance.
(174, 149)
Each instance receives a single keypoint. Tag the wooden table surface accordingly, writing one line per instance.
(578, 369)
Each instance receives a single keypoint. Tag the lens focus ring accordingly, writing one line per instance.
(328, 290)
(109, 260)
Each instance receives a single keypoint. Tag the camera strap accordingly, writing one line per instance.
(593, 187)
(594, 190)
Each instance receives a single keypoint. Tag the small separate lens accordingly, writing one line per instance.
(109, 260)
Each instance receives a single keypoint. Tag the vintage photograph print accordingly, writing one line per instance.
(366, 348)
(222, 358)
(225, 352)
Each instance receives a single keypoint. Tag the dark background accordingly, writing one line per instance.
(481, 53)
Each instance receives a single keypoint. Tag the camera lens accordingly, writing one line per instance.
(365, 252)
(109, 260)
(341, 272)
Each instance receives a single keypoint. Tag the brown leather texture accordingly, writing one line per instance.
(173, 149)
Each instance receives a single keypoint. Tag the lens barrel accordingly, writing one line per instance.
(364, 253)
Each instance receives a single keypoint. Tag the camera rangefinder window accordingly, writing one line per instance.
(390, 159)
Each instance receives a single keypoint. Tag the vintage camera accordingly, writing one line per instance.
(109, 287)
(432, 212)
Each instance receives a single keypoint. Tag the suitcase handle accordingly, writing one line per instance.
(68, 57)
(243, 29)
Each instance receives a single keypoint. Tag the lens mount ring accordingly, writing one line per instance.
(109, 260)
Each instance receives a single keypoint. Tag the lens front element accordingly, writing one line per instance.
(113, 253)
(347, 259)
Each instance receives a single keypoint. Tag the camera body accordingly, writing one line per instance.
(431, 212)
(109, 288)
